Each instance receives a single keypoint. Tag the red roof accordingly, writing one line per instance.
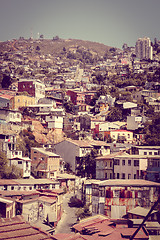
(98, 229)
(17, 228)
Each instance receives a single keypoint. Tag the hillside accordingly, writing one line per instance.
(53, 47)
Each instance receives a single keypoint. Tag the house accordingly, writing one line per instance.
(121, 135)
(27, 184)
(66, 181)
(76, 97)
(89, 96)
(10, 116)
(72, 151)
(32, 86)
(102, 129)
(41, 208)
(46, 164)
(135, 122)
(21, 101)
(120, 165)
(114, 198)
(53, 117)
(24, 163)
(104, 102)
(57, 194)
(146, 150)
(5, 101)
(7, 208)
(8, 143)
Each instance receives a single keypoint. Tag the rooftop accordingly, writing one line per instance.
(129, 182)
(17, 228)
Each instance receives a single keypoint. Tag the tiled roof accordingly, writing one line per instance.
(80, 143)
(113, 155)
(17, 228)
(140, 211)
(29, 181)
(42, 150)
(129, 182)
(8, 182)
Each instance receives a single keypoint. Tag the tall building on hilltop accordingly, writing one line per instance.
(144, 49)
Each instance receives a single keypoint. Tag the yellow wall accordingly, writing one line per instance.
(21, 101)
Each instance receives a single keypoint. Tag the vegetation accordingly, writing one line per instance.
(7, 171)
(87, 165)
(69, 107)
(152, 130)
(26, 141)
(83, 212)
(115, 115)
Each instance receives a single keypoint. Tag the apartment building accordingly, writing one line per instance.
(144, 49)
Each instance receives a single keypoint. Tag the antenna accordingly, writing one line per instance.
(31, 32)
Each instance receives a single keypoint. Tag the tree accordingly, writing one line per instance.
(115, 115)
(87, 165)
(6, 81)
(69, 106)
(13, 172)
(7, 171)
(26, 141)
(56, 38)
(38, 48)
(3, 164)
(41, 36)
(152, 130)
(83, 212)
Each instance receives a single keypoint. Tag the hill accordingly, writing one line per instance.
(53, 47)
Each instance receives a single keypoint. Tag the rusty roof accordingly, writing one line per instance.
(17, 228)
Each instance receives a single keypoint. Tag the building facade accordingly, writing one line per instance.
(144, 48)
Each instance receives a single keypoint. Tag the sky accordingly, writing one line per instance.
(111, 22)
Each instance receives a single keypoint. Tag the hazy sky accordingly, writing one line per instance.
(112, 22)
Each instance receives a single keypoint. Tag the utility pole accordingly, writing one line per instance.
(145, 219)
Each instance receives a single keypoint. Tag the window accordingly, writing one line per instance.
(155, 153)
(110, 164)
(150, 153)
(145, 153)
(19, 162)
(129, 176)
(123, 162)
(117, 175)
(135, 176)
(35, 158)
(12, 188)
(105, 175)
(106, 164)
(123, 175)
(35, 152)
(136, 163)
(116, 162)
(129, 162)
(110, 175)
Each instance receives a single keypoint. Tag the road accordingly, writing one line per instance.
(68, 216)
